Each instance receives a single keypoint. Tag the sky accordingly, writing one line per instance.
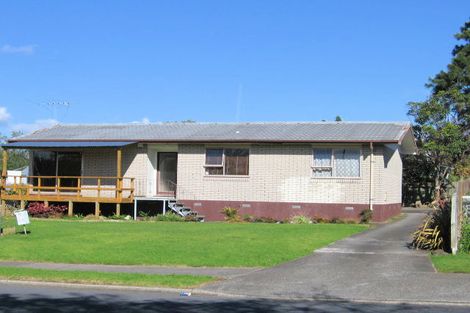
(219, 61)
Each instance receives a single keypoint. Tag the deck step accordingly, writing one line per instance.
(184, 211)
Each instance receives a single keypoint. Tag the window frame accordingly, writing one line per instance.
(333, 162)
(222, 165)
(56, 152)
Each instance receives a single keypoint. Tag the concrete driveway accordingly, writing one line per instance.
(375, 265)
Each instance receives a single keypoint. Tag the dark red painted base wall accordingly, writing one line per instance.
(284, 210)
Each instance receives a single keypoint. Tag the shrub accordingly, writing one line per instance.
(465, 237)
(145, 216)
(248, 218)
(117, 217)
(300, 219)
(434, 233)
(263, 219)
(231, 214)
(169, 217)
(258, 219)
(320, 220)
(336, 220)
(366, 216)
(38, 209)
(193, 218)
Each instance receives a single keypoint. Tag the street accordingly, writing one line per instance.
(25, 298)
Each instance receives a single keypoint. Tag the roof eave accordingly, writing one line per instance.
(407, 142)
(208, 141)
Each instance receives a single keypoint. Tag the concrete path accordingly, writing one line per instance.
(212, 271)
(372, 266)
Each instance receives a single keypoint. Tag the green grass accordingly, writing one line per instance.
(96, 278)
(163, 243)
(459, 263)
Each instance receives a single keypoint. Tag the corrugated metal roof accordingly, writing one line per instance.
(69, 144)
(226, 132)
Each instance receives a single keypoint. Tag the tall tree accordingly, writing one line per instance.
(442, 122)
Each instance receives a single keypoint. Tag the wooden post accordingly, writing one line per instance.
(5, 163)
(132, 188)
(46, 203)
(70, 208)
(119, 172)
(454, 220)
(97, 209)
(119, 162)
(3, 207)
(57, 187)
(79, 186)
(4, 176)
(22, 204)
(118, 209)
(39, 186)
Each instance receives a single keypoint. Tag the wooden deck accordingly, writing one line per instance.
(69, 189)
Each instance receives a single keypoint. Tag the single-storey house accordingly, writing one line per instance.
(281, 169)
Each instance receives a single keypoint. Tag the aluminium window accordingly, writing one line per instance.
(233, 161)
(51, 163)
(336, 162)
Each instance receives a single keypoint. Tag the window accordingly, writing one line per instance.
(227, 161)
(49, 163)
(214, 161)
(336, 162)
(236, 162)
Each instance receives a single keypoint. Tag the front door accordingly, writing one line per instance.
(166, 173)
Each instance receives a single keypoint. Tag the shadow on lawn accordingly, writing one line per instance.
(109, 303)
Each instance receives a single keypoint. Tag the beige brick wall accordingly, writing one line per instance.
(282, 173)
(135, 164)
(102, 162)
(278, 173)
(98, 162)
(388, 178)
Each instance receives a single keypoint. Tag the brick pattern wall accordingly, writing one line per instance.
(135, 163)
(102, 162)
(278, 173)
(388, 175)
(98, 162)
(282, 173)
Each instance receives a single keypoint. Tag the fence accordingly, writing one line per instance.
(460, 209)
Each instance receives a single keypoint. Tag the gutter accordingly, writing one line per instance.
(198, 141)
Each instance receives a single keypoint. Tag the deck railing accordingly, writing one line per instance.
(68, 188)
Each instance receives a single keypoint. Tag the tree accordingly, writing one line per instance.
(418, 180)
(17, 158)
(442, 122)
(338, 118)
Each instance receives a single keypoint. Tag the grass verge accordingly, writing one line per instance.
(171, 244)
(449, 263)
(103, 278)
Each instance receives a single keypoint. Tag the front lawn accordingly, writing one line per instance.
(164, 243)
(459, 263)
(95, 278)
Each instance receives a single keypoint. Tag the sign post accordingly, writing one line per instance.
(22, 219)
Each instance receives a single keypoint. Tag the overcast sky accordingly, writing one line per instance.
(125, 61)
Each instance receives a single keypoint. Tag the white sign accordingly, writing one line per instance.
(22, 217)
